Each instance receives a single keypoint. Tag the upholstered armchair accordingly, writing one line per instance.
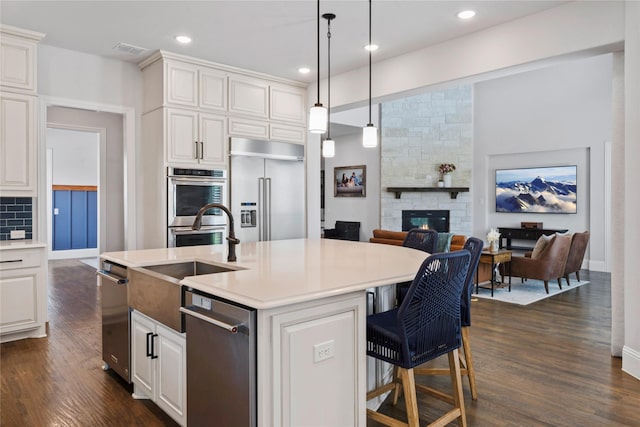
(546, 265)
(576, 255)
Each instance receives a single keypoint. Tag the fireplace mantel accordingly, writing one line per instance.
(453, 191)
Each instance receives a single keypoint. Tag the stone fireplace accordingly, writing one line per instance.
(437, 220)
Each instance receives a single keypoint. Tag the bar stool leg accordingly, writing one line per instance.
(458, 398)
(409, 386)
(471, 372)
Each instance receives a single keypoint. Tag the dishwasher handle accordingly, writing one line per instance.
(231, 328)
(112, 277)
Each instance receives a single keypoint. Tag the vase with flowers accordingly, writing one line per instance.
(446, 169)
(492, 237)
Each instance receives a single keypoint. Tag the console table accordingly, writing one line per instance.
(523, 234)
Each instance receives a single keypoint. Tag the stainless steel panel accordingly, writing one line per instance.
(115, 319)
(221, 364)
(269, 178)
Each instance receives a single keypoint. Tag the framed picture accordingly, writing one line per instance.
(350, 181)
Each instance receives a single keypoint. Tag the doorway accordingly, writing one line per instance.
(73, 190)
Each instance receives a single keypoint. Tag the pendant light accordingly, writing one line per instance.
(369, 132)
(329, 145)
(318, 114)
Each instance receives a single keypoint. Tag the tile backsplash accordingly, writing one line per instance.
(16, 213)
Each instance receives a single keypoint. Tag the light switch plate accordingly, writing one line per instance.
(17, 234)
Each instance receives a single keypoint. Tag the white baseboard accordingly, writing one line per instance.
(73, 253)
(596, 266)
(631, 361)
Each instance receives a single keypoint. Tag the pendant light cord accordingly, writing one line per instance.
(328, 78)
(318, 50)
(370, 122)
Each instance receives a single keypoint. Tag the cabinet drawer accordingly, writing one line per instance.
(19, 258)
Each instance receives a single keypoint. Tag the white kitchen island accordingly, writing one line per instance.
(310, 296)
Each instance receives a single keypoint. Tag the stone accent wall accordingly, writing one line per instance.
(418, 134)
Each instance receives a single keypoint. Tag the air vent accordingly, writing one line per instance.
(129, 49)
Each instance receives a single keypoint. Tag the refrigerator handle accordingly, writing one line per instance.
(261, 209)
(267, 208)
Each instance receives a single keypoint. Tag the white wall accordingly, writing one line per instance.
(75, 156)
(91, 82)
(366, 210)
(631, 351)
(555, 116)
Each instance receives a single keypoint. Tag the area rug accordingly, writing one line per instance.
(524, 293)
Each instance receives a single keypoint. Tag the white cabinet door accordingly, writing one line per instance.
(159, 365)
(248, 96)
(171, 393)
(18, 302)
(181, 84)
(17, 143)
(248, 128)
(213, 146)
(142, 366)
(288, 103)
(18, 59)
(23, 293)
(182, 136)
(213, 89)
(287, 133)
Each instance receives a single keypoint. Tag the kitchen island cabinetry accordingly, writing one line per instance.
(311, 317)
(158, 365)
(23, 290)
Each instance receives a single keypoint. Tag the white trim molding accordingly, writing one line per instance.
(129, 146)
(631, 361)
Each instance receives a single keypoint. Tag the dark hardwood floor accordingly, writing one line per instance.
(547, 364)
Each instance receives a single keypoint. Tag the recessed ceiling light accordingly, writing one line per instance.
(304, 70)
(372, 47)
(466, 14)
(183, 39)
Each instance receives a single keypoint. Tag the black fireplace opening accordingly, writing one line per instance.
(432, 219)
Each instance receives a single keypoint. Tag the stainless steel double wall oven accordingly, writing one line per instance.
(188, 190)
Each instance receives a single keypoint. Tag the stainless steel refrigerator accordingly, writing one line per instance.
(267, 183)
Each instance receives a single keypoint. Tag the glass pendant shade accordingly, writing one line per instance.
(318, 119)
(369, 136)
(328, 148)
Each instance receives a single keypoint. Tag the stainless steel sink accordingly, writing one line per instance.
(155, 290)
(180, 270)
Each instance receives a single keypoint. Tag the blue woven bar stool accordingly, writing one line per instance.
(417, 238)
(474, 246)
(425, 326)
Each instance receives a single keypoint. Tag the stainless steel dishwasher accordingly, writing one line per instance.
(221, 361)
(115, 318)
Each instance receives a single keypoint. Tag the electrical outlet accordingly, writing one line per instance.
(17, 234)
(323, 351)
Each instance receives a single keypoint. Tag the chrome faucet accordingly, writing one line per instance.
(197, 223)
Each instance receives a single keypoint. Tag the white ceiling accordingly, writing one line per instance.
(273, 37)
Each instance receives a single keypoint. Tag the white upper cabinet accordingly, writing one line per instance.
(17, 144)
(248, 96)
(213, 89)
(18, 50)
(182, 84)
(194, 86)
(195, 138)
(288, 103)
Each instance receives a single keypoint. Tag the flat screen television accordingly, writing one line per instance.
(537, 190)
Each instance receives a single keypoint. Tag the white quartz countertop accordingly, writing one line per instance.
(282, 272)
(21, 244)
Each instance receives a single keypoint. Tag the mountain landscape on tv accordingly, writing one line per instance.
(539, 195)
